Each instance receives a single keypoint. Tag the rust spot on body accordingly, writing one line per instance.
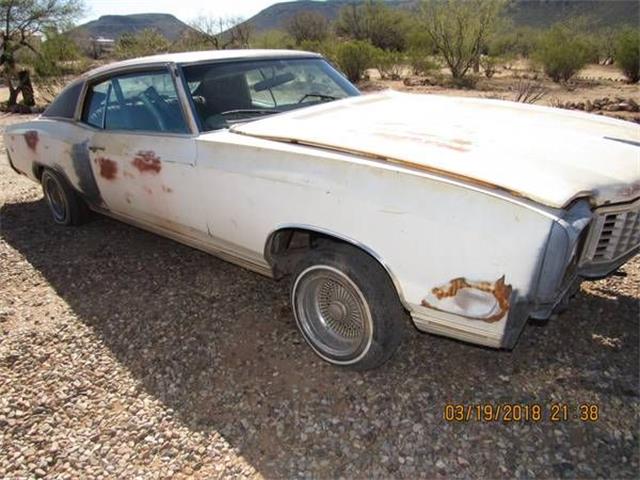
(147, 161)
(108, 168)
(500, 291)
(31, 138)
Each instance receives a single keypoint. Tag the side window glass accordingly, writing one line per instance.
(95, 102)
(145, 102)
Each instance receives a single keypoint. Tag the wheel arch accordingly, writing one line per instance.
(278, 243)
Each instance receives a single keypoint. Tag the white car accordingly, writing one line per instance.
(469, 215)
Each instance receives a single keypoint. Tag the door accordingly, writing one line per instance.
(142, 151)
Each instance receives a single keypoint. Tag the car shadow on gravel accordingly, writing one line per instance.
(217, 344)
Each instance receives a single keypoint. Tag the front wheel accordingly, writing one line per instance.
(346, 307)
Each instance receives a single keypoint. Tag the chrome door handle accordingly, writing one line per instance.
(96, 149)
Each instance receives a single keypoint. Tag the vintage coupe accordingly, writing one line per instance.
(469, 215)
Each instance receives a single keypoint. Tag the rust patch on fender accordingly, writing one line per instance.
(147, 161)
(108, 168)
(31, 138)
(499, 289)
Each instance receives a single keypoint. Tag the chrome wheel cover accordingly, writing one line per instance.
(55, 199)
(332, 314)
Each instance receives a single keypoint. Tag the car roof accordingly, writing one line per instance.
(200, 56)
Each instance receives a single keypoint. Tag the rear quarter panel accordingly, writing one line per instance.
(56, 144)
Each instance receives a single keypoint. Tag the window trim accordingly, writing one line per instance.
(167, 67)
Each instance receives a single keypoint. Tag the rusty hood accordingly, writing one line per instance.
(548, 155)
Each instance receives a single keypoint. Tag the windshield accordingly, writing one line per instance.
(227, 93)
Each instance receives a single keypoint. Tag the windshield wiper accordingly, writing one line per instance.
(321, 96)
(251, 111)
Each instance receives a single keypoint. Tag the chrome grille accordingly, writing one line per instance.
(614, 232)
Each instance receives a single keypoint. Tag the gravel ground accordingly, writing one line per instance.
(123, 354)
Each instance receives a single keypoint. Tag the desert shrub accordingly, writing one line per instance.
(489, 65)
(459, 29)
(147, 42)
(58, 55)
(510, 42)
(273, 39)
(374, 22)
(307, 26)
(354, 57)
(527, 91)
(420, 51)
(389, 64)
(326, 48)
(421, 63)
(562, 53)
(627, 54)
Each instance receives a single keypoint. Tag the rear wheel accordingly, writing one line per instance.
(66, 207)
(346, 307)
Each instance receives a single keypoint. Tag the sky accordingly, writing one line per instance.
(185, 10)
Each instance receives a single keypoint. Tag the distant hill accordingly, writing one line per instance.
(114, 26)
(535, 13)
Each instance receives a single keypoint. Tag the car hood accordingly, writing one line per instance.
(549, 155)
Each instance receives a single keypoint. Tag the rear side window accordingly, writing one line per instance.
(146, 102)
(95, 103)
(64, 105)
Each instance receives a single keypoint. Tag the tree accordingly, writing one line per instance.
(22, 21)
(307, 26)
(374, 22)
(218, 33)
(628, 54)
(459, 29)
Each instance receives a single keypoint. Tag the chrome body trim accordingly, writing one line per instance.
(208, 244)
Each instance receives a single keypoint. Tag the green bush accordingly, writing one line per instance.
(147, 42)
(562, 53)
(374, 22)
(273, 39)
(389, 64)
(421, 63)
(56, 56)
(354, 57)
(489, 65)
(627, 54)
(326, 48)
